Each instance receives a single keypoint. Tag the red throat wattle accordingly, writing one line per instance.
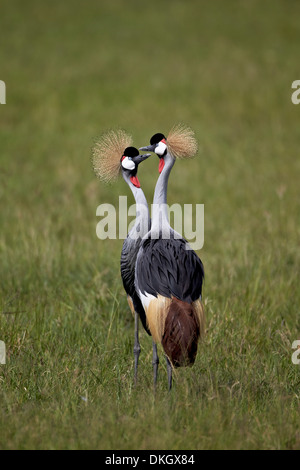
(161, 164)
(135, 181)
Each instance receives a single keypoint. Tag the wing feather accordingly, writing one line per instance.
(165, 267)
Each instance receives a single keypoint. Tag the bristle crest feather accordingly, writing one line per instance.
(181, 142)
(107, 152)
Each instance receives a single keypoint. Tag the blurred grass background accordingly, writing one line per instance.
(73, 70)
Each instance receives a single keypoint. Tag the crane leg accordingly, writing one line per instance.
(155, 362)
(169, 372)
(136, 347)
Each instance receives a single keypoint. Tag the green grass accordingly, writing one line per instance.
(73, 70)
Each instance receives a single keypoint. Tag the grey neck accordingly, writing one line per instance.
(160, 216)
(142, 221)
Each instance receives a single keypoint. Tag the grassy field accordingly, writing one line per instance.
(73, 70)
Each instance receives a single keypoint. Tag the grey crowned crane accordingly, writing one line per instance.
(168, 273)
(113, 154)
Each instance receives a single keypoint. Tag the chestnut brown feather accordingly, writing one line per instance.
(183, 327)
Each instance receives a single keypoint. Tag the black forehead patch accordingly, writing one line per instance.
(156, 138)
(131, 152)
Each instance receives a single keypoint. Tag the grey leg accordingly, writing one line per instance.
(169, 371)
(136, 347)
(155, 362)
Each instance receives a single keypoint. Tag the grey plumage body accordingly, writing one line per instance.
(129, 253)
(166, 266)
(112, 154)
(128, 260)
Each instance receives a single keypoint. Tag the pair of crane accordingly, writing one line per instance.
(161, 275)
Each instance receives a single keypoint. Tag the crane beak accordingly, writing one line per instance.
(140, 158)
(148, 148)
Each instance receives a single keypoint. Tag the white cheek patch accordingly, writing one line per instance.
(128, 164)
(160, 149)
